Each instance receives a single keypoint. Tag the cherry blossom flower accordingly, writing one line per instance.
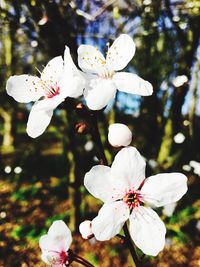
(125, 193)
(58, 80)
(103, 80)
(55, 245)
(119, 135)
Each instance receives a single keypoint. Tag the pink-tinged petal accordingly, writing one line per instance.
(52, 258)
(129, 167)
(120, 53)
(110, 220)
(24, 88)
(132, 84)
(101, 184)
(162, 189)
(90, 59)
(147, 230)
(53, 69)
(40, 115)
(99, 93)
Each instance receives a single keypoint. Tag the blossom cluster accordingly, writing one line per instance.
(123, 188)
(97, 82)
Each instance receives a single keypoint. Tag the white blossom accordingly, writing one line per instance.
(58, 80)
(55, 245)
(125, 193)
(103, 78)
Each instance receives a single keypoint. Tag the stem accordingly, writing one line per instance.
(97, 138)
(121, 237)
(83, 261)
(91, 118)
(131, 246)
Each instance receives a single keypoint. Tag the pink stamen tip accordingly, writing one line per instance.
(53, 92)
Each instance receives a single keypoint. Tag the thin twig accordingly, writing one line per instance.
(131, 246)
(77, 257)
(87, 264)
(89, 16)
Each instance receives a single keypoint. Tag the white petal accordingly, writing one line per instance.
(132, 84)
(45, 258)
(72, 81)
(110, 220)
(46, 243)
(69, 65)
(40, 115)
(99, 93)
(58, 239)
(120, 53)
(90, 59)
(101, 184)
(24, 88)
(129, 167)
(59, 230)
(53, 69)
(165, 188)
(147, 230)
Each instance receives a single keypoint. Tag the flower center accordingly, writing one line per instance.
(106, 74)
(133, 198)
(64, 257)
(50, 88)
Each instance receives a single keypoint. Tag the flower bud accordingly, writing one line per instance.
(81, 128)
(85, 229)
(119, 135)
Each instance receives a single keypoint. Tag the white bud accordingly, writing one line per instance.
(180, 80)
(7, 169)
(17, 170)
(179, 138)
(85, 229)
(119, 135)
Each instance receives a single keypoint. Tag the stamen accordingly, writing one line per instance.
(133, 198)
(38, 70)
(50, 88)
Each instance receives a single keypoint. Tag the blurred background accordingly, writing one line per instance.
(41, 179)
